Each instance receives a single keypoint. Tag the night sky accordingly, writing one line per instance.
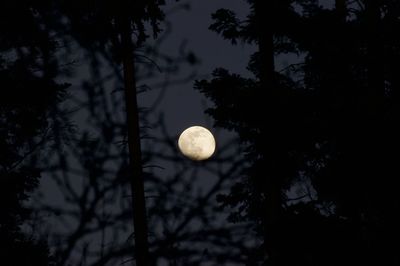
(179, 104)
(183, 106)
(302, 97)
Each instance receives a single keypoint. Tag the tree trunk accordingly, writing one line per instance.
(264, 14)
(135, 160)
(264, 10)
(376, 136)
(341, 9)
(376, 82)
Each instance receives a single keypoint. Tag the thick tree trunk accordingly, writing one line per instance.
(341, 9)
(340, 58)
(135, 160)
(376, 82)
(376, 152)
(264, 13)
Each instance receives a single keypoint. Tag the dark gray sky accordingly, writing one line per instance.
(182, 105)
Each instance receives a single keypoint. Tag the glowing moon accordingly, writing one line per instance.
(197, 143)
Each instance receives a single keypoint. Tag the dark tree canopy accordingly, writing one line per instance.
(28, 94)
(320, 138)
(329, 123)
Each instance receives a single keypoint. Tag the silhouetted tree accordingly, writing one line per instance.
(91, 174)
(105, 27)
(267, 132)
(326, 125)
(29, 92)
(356, 110)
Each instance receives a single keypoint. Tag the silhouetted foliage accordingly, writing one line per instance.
(328, 124)
(91, 224)
(29, 92)
(313, 181)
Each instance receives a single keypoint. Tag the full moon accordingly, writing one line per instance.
(197, 143)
